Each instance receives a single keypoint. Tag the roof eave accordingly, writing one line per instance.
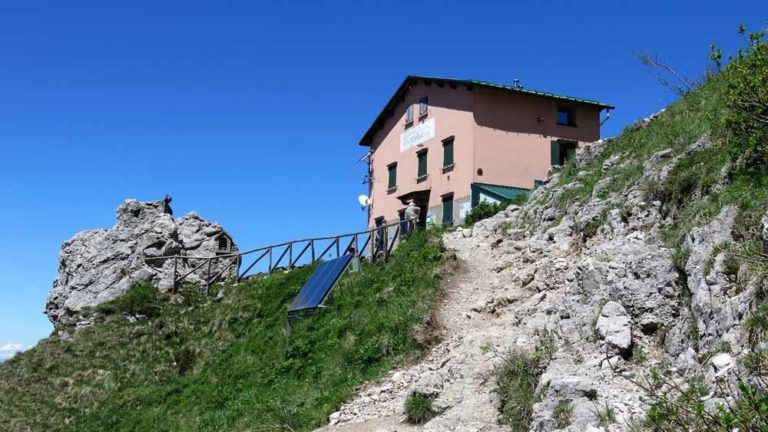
(365, 141)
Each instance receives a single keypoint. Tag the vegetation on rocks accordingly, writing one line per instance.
(199, 364)
(517, 379)
(418, 409)
(486, 209)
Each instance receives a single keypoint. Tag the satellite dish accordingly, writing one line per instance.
(364, 200)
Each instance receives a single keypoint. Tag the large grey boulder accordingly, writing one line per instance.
(614, 326)
(97, 266)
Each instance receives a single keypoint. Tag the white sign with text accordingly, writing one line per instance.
(417, 135)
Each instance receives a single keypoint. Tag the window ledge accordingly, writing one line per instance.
(448, 168)
(422, 178)
(392, 189)
(423, 116)
(568, 125)
(408, 124)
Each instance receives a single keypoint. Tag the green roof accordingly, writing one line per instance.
(499, 192)
(399, 96)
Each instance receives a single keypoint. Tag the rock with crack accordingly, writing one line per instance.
(614, 326)
(97, 266)
(430, 384)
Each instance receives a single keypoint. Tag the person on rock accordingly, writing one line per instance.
(167, 205)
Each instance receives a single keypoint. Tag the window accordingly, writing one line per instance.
(561, 152)
(409, 116)
(392, 169)
(448, 153)
(448, 209)
(423, 106)
(422, 156)
(565, 117)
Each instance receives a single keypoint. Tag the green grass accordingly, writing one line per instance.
(418, 409)
(205, 365)
(516, 381)
(562, 414)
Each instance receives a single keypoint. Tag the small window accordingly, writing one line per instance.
(448, 210)
(448, 153)
(422, 156)
(392, 169)
(565, 117)
(423, 106)
(409, 115)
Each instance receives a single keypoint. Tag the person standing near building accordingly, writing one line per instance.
(412, 215)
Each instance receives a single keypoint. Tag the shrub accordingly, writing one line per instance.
(747, 99)
(486, 209)
(141, 299)
(516, 381)
(418, 409)
(483, 210)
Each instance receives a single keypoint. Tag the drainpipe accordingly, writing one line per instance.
(607, 116)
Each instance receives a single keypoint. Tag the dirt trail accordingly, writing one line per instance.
(478, 326)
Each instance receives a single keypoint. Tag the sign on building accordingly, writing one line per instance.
(417, 135)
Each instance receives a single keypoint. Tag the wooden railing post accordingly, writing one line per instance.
(175, 274)
(312, 246)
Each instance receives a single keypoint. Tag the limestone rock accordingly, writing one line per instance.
(716, 310)
(615, 327)
(589, 152)
(99, 265)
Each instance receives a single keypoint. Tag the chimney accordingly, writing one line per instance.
(516, 83)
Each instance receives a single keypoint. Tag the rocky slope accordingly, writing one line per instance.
(593, 278)
(99, 265)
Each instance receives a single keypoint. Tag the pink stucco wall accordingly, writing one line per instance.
(512, 135)
(452, 109)
(505, 134)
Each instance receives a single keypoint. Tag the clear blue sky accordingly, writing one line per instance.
(250, 114)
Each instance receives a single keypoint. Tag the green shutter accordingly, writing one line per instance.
(555, 153)
(448, 153)
(392, 176)
(422, 164)
(447, 211)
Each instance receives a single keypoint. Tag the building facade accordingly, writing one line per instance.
(449, 144)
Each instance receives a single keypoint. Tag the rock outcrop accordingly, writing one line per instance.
(594, 279)
(97, 266)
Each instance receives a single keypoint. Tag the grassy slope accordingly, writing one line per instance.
(689, 194)
(226, 365)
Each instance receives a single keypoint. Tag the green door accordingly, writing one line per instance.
(448, 210)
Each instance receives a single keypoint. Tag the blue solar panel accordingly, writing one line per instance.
(319, 284)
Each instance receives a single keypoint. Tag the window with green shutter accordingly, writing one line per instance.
(448, 210)
(422, 164)
(448, 153)
(392, 169)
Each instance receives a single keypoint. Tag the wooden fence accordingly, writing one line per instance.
(373, 244)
